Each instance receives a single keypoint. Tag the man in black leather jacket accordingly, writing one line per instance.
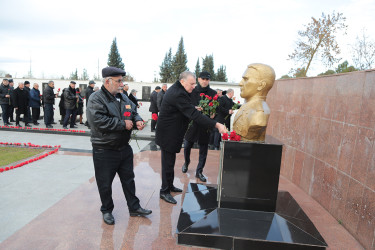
(111, 117)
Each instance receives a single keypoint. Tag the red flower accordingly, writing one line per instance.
(58, 90)
(210, 104)
(7, 168)
(1, 170)
(209, 98)
(238, 138)
(202, 94)
(127, 114)
(232, 136)
(225, 137)
(155, 117)
(238, 102)
(215, 97)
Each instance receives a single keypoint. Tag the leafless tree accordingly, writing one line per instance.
(319, 38)
(363, 51)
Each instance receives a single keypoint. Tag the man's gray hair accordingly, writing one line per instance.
(105, 79)
(133, 91)
(50, 82)
(229, 91)
(164, 84)
(184, 75)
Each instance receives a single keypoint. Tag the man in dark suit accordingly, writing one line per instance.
(21, 102)
(154, 107)
(224, 113)
(196, 133)
(175, 114)
(161, 94)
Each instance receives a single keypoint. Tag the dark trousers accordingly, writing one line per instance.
(203, 149)
(10, 113)
(48, 113)
(68, 113)
(36, 114)
(217, 138)
(5, 113)
(168, 160)
(25, 117)
(153, 122)
(109, 162)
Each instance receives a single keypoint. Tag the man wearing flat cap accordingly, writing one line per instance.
(197, 133)
(70, 105)
(111, 117)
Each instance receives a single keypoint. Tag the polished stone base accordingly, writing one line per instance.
(202, 223)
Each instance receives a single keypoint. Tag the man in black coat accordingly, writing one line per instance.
(224, 114)
(161, 94)
(70, 105)
(174, 116)
(196, 133)
(154, 107)
(88, 92)
(34, 103)
(112, 116)
(21, 104)
(49, 101)
(5, 101)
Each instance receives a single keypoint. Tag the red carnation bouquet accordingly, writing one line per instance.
(233, 136)
(154, 117)
(208, 104)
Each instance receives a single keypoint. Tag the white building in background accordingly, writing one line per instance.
(144, 88)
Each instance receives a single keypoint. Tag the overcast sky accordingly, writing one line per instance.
(60, 36)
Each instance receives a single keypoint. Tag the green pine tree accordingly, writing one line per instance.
(74, 75)
(221, 75)
(166, 68)
(179, 60)
(208, 65)
(114, 58)
(197, 68)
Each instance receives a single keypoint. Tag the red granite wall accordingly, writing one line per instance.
(328, 127)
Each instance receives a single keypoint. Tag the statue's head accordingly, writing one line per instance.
(257, 80)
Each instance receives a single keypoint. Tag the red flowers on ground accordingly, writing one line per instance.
(154, 117)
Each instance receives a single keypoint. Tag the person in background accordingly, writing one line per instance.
(34, 103)
(49, 100)
(5, 101)
(27, 88)
(89, 91)
(21, 102)
(154, 106)
(125, 89)
(11, 107)
(80, 105)
(70, 105)
(96, 88)
(161, 94)
(133, 97)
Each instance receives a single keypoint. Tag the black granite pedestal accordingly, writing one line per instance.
(245, 210)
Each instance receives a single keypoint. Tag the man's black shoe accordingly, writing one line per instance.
(11, 120)
(176, 190)
(17, 125)
(168, 198)
(185, 167)
(140, 212)
(65, 127)
(36, 123)
(201, 177)
(152, 130)
(108, 219)
(73, 127)
(8, 123)
(27, 125)
(53, 123)
(49, 126)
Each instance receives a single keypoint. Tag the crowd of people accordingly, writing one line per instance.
(112, 114)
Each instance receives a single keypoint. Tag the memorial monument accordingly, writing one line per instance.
(246, 210)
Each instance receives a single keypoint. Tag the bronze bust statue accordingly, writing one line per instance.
(251, 119)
